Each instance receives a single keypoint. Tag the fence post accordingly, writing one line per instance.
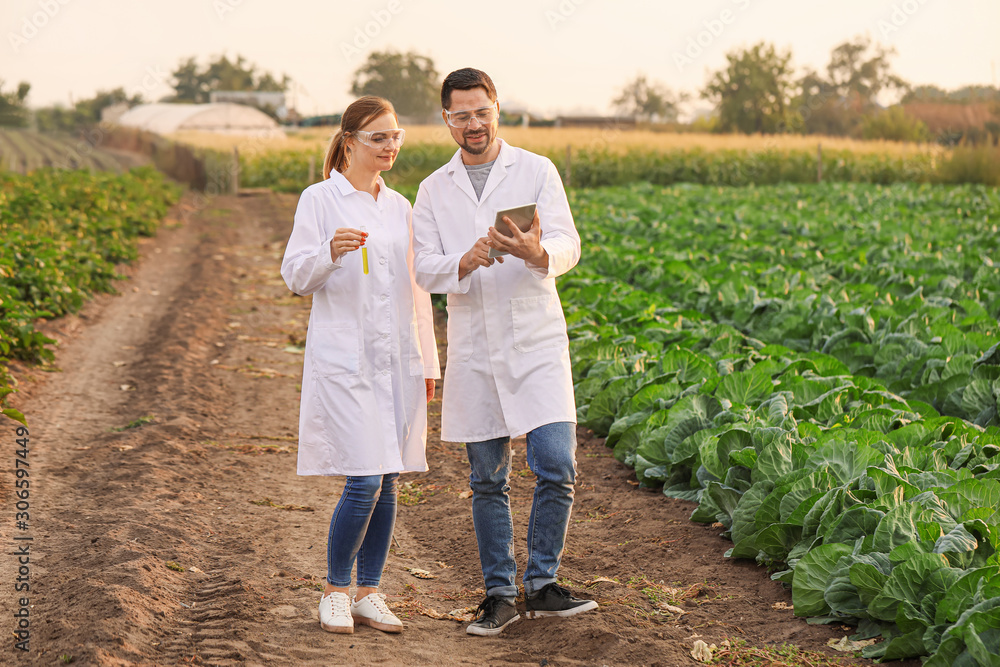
(569, 164)
(312, 170)
(236, 171)
(819, 162)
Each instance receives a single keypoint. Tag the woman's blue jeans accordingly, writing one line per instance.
(552, 458)
(361, 529)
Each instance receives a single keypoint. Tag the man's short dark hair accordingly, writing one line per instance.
(466, 78)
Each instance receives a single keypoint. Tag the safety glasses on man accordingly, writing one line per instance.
(380, 138)
(461, 119)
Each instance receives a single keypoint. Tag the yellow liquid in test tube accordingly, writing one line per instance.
(364, 256)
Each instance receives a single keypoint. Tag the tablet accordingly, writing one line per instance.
(520, 216)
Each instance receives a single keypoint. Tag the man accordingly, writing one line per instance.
(508, 372)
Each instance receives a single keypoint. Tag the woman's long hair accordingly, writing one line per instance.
(360, 112)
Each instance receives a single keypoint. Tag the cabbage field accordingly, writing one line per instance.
(818, 368)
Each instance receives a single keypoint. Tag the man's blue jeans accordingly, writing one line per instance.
(361, 530)
(552, 457)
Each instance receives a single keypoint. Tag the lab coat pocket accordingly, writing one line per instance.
(416, 360)
(538, 323)
(336, 350)
(459, 334)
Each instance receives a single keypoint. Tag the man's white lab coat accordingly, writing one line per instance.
(508, 369)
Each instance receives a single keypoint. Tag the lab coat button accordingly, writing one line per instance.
(383, 297)
(381, 260)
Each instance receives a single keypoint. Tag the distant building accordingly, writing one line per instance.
(223, 118)
(516, 115)
(950, 122)
(594, 121)
(113, 112)
(320, 121)
(262, 100)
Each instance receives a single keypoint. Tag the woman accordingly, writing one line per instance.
(370, 358)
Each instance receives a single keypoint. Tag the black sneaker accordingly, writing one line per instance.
(554, 600)
(494, 614)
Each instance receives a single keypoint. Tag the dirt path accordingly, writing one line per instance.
(201, 340)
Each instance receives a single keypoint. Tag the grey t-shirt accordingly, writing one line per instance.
(478, 173)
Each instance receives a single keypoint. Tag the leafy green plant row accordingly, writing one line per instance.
(287, 171)
(61, 235)
(875, 509)
(898, 283)
(750, 351)
(24, 150)
(738, 167)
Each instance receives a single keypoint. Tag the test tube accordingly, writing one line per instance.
(364, 253)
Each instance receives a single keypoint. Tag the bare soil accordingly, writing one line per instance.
(189, 539)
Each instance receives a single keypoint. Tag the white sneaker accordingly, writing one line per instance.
(335, 613)
(371, 610)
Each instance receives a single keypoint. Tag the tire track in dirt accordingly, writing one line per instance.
(190, 540)
(101, 586)
(207, 627)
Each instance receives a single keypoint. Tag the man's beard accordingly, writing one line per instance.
(490, 137)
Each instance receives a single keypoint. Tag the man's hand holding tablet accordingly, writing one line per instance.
(503, 239)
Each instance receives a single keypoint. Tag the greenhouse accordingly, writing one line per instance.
(226, 118)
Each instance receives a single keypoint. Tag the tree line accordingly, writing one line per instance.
(757, 92)
(192, 84)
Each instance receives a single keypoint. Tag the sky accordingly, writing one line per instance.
(549, 56)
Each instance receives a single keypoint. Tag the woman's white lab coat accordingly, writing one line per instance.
(370, 341)
(508, 368)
